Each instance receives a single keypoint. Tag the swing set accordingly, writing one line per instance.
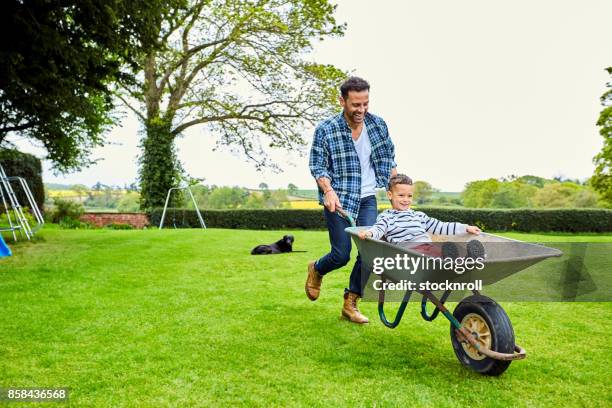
(195, 205)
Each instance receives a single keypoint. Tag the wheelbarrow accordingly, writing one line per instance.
(481, 332)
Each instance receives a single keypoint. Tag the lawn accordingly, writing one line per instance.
(188, 317)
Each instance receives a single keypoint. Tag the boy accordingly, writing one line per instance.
(402, 224)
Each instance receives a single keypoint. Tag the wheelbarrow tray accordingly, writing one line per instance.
(504, 257)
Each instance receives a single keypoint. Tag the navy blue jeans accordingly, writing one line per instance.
(340, 253)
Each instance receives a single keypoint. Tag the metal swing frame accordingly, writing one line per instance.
(21, 223)
(195, 205)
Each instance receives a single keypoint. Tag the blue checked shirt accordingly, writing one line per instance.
(333, 156)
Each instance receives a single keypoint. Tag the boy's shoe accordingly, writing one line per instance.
(475, 249)
(313, 282)
(350, 310)
(450, 250)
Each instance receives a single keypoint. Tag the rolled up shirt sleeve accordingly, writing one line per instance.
(319, 153)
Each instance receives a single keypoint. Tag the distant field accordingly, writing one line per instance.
(301, 200)
(55, 186)
(72, 193)
(449, 195)
(311, 194)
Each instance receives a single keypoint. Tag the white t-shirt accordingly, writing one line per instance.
(364, 150)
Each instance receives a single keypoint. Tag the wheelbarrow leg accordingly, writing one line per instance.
(400, 311)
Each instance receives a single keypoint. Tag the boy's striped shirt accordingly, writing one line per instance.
(409, 225)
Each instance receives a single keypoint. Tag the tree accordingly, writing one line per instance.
(556, 195)
(292, 189)
(227, 197)
(265, 191)
(255, 201)
(602, 178)
(129, 202)
(60, 60)
(479, 194)
(514, 194)
(422, 192)
(98, 186)
(276, 199)
(80, 190)
(236, 68)
(201, 193)
(532, 180)
(132, 187)
(585, 198)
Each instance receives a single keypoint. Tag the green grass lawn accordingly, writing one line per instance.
(189, 318)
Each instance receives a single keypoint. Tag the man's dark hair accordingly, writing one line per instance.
(353, 84)
(399, 179)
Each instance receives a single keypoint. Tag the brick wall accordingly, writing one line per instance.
(138, 220)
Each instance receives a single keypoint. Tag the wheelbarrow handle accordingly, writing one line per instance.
(346, 216)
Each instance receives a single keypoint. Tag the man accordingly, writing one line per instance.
(351, 155)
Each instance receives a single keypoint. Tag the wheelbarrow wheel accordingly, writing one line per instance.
(491, 326)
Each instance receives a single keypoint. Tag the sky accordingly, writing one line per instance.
(469, 90)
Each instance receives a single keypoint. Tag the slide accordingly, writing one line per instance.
(4, 249)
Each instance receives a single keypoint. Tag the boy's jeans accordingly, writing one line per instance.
(340, 241)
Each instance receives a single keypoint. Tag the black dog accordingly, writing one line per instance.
(280, 246)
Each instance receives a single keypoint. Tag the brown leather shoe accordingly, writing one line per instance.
(313, 282)
(350, 310)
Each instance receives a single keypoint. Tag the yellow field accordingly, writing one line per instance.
(305, 205)
(61, 193)
(73, 194)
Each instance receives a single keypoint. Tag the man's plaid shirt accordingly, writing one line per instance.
(333, 155)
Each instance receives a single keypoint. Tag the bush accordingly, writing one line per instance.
(17, 164)
(71, 223)
(524, 220)
(65, 209)
(119, 226)
(129, 202)
(26, 212)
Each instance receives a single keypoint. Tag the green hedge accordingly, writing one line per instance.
(242, 219)
(525, 220)
(27, 166)
(528, 220)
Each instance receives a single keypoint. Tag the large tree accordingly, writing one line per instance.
(237, 68)
(59, 60)
(602, 178)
